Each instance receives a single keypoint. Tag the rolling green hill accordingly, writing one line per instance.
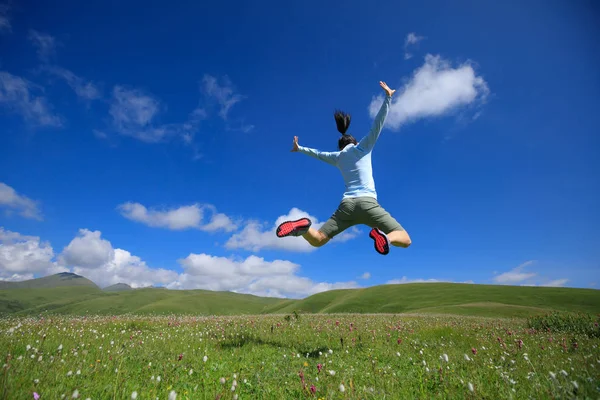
(73, 294)
(57, 280)
(118, 287)
(453, 298)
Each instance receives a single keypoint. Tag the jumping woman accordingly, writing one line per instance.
(359, 204)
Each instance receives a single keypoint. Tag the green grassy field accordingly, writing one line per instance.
(273, 357)
(433, 298)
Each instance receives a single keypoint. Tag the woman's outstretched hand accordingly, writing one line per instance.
(385, 87)
(295, 148)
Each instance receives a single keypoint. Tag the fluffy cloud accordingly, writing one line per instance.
(224, 94)
(411, 39)
(133, 112)
(256, 236)
(84, 89)
(45, 44)
(519, 276)
(516, 275)
(12, 200)
(183, 217)
(17, 95)
(22, 256)
(366, 275)
(4, 21)
(91, 256)
(253, 275)
(435, 89)
(404, 279)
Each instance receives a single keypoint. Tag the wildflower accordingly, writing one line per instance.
(331, 372)
(75, 394)
(313, 389)
(342, 388)
(133, 395)
(205, 358)
(36, 396)
(222, 380)
(172, 395)
(562, 371)
(319, 367)
(467, 358)
(233, 388)
(180, 357)
(330, 351)
(69, 373)
(60, 347)
(471, 388)
(445, 356)
(191, 371)
(575, 385)
(36, 381)
(474, 350)
(158, 378)
(553, 375)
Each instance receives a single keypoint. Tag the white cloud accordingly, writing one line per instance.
(556, 283)
(256, 236)
(16, 94)
(519, 276)
(45, 44)
(435, 89)
(253, 275)
(12, 200)
(4, 21)
(404, 279)
(224, 94)
(134, 111)
(84, 89)
(366, 275)
(411, 39)
(180, 218)
(516, 275)
(91, 256)
(22, 256)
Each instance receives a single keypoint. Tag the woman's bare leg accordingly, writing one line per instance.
(315, 238)
(399, 238)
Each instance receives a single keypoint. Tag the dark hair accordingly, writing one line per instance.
(342, 121)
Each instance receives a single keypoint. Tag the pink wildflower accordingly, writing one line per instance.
(36, 396)
(474, 350)
(313, 389)
(319, 367)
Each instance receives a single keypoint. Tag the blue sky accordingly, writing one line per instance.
(149, 143)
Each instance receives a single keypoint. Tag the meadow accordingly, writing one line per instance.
(295, 356)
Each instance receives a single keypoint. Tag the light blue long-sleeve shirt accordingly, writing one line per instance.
(354, 161)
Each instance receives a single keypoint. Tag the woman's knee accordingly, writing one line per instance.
(400, 238)
(320, 239)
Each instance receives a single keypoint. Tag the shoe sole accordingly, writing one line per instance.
(381, 242)
(293, 228)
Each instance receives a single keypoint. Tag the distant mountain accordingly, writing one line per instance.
(57, 280)
(118, 287)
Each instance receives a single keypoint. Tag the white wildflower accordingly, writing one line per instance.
(471, 388)
(445, 357)
(133, 395)
(467, 358)
(222, 380)
(342, 388)
(205, 358)
(331, 372)
(172, 395)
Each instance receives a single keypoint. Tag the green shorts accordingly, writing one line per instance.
(360, 210)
